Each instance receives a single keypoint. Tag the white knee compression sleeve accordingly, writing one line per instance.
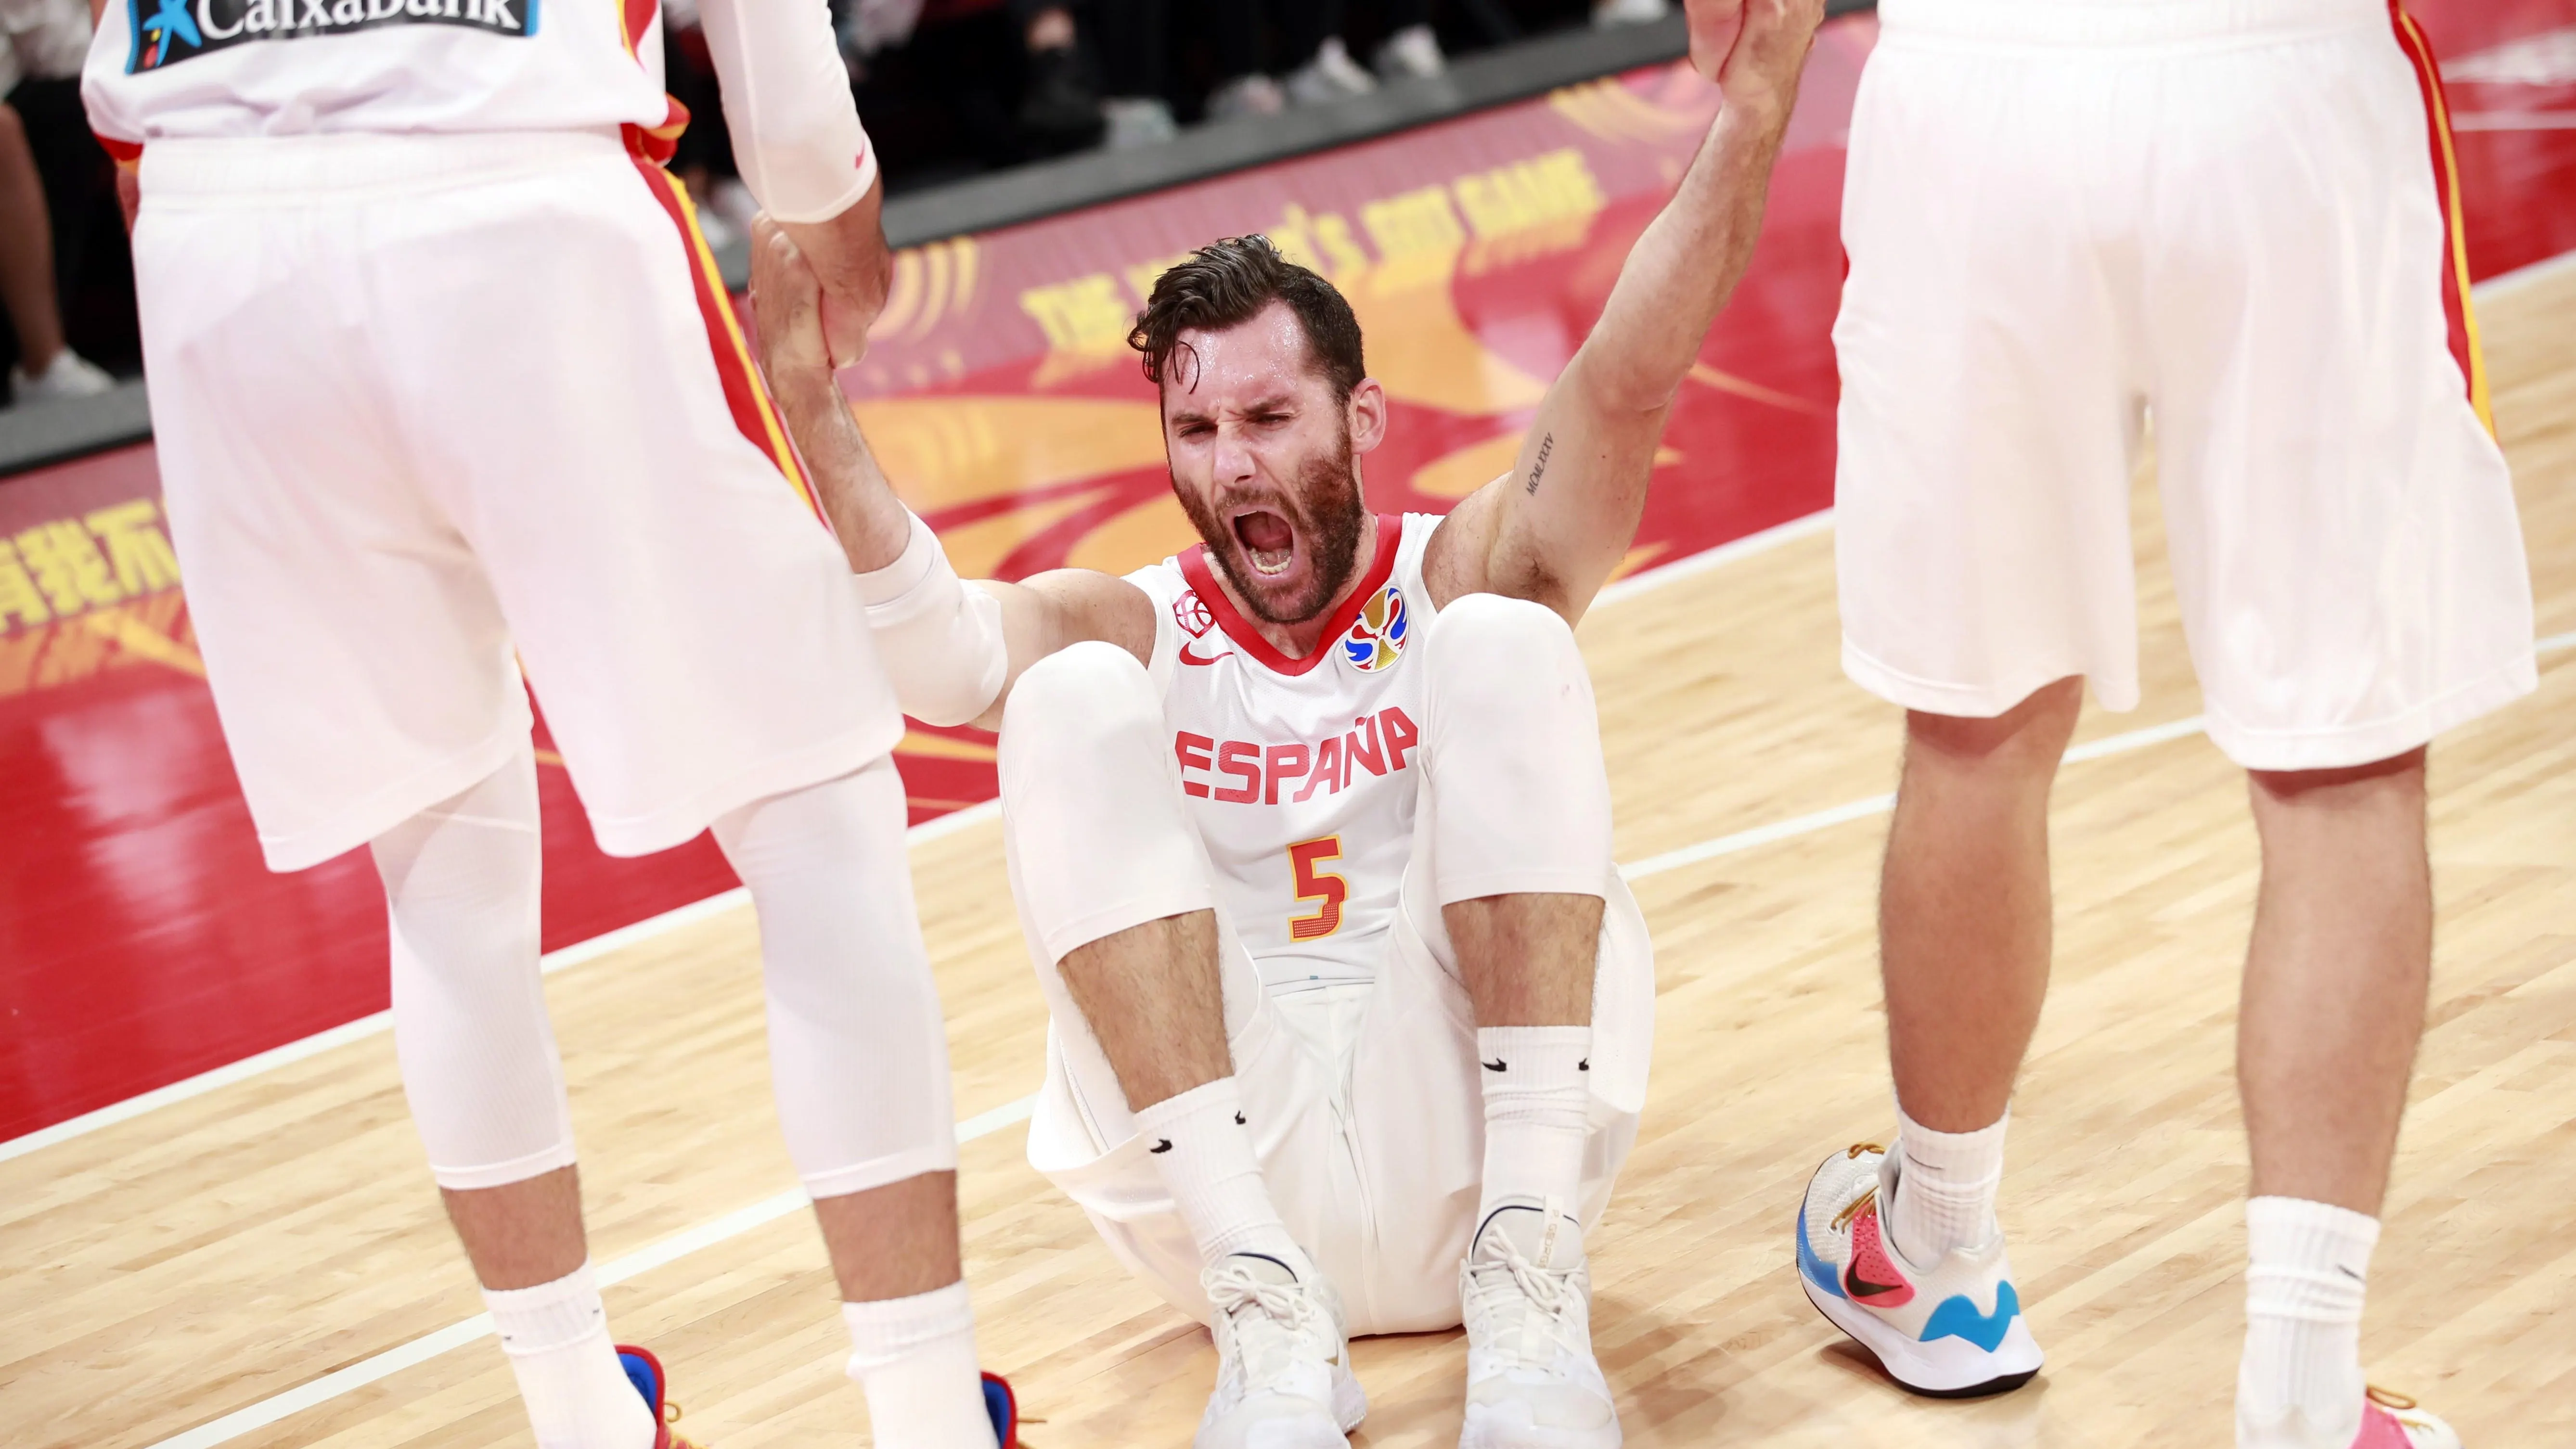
(1520, 798)
(940, 640)
(858, 1050)
(478, 1056)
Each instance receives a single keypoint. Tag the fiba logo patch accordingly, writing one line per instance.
(169, 31)
(1377, 635)
(1192, 615)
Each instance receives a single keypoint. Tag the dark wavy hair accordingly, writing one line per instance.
(1227, 283)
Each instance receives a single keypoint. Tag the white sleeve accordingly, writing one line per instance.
(940, 641)
(796, 133)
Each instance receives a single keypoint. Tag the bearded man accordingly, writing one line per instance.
(1308, 826)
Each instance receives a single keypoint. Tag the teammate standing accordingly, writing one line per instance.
(2063, 215)
(441, 375)
(1309, 828)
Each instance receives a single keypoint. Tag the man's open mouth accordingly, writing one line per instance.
(1267, 540)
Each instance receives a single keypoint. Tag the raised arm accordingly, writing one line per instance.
(953, 652)
(1554, 527)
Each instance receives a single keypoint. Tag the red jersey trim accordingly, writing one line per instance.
(1194, 567)
(2461, 311)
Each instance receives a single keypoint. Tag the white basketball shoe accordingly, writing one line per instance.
(1283, 1365)
(1526, 1294)
(1951, 1330)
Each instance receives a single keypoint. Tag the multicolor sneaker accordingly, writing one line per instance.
(2391, 1421)
(1951, 1331)
(644, 1371)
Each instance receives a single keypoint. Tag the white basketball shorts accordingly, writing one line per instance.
(2065, 217)
(427, 402)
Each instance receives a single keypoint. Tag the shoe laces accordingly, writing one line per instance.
(1868, 1195)
(1270, 1319)
(1554, 1304)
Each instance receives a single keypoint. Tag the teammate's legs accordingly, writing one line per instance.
(1988, 425)
(666, 534)
(2335, 985)
(859, 1060)
(1114, 892)
(486, 1089)
(2310, 408)
(1963, 927)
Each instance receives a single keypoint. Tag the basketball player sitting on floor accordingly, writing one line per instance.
(1310, 821)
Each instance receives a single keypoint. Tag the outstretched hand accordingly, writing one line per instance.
(787, 306)
(1753, 49)
(849, 260)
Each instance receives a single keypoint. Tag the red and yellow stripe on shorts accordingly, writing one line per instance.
(2456, 303)
(745, 394)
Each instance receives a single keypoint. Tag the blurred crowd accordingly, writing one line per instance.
(64, 278)
(952, 88)
(948, 89)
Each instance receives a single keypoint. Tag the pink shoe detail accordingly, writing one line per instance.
(2380, 1430)
(1872, 1277)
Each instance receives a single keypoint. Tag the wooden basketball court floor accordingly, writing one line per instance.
(225, 1255)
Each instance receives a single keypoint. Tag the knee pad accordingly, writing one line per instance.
(1519, 798)
(858, 1047)
(1098, 836)
(470, 1028)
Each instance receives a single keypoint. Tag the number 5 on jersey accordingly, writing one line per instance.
(1305, 859)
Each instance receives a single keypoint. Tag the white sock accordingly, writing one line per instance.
(1538, 1100)
(577, 1394)
(1203, 1150)
(2299, 1385)
(1945, 1188)
(915, 1359)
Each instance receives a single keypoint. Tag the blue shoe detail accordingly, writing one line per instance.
(1959, 1318)
(1811, 1267)
(644, 1374)
(1004, 1407)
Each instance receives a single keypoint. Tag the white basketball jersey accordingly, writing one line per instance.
(1300, 773)
(222, 68)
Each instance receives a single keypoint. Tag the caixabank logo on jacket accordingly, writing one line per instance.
(167, 32)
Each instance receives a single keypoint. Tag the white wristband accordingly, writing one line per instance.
(940, 641)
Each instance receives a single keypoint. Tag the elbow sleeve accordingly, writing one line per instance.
(940, 641)
(796, 132)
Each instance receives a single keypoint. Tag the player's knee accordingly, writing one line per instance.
(2025, 740)
(1490, 650)
(1081, 699)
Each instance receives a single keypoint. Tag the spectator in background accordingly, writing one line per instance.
(42, 44)
(1055, 107)
(1607, 13)
(703, 159)
(1316, 67)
